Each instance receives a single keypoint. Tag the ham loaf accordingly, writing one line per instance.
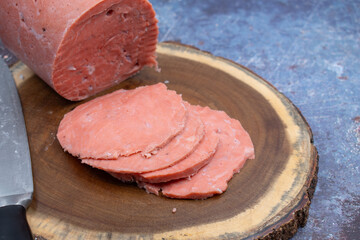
(80, 47)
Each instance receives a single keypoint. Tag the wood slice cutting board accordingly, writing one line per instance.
(269, 198)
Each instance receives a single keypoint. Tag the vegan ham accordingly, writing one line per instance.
(184, 168)
(234, 149)
(123, 123)
(80, 47)
(187, 167)
(177, 149)
(150, 136)
(190, 165)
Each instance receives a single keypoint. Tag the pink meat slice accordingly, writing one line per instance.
(184, 168)
(189, 166)
(235, 147)
(176, 150)
(80, 47)
(123, 123)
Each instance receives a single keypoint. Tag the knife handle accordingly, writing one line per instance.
(13, 223)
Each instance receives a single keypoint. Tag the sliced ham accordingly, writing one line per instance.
(80, 47)
(184, 168)
(173, 152)
(189, 166)
(234, 149)
(123, 123)
(150, 136)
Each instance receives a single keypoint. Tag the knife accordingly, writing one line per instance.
(16, 182)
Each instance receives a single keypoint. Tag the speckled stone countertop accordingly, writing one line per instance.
(310, 51)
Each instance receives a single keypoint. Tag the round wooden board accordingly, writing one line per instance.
(269, 198)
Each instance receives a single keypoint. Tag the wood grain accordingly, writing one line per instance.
(269, 198)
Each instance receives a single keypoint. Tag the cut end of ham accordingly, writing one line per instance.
(104, 47)
(80, 48)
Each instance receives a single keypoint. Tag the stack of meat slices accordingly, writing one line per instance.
(151, 136)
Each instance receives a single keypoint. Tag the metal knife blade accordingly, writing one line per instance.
(16, 181)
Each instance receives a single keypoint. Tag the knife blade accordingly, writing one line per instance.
(16, 181)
